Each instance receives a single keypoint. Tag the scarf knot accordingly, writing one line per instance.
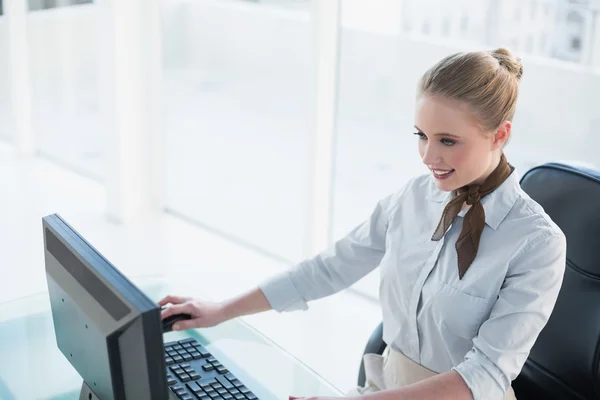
(473, 196)
(474, 220)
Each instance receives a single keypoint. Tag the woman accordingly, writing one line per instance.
(471, 266)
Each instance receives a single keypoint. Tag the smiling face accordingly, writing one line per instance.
(452, 144)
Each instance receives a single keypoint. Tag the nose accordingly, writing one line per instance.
(430, 155)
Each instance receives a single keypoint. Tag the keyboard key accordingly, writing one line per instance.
(188, 368)
(184, 378)
(194, 375)
(195, 355)
(227, 396)
(239, 396)
(213, 394)
(188, 340)
(194, 387)
(177, 359)
(226, 384)
(204, 397)
(211, 360)
(236, 382)
(222, 370)
(235, 391)
(186, 396)
(184, 365)
(204, 353)
(169, 361)
(222, 391)
(177, 347)
(251, 396)
(187, 357)
(171, 381)
(230, 376)
(244, 390)
(208, 367)
(176, 387)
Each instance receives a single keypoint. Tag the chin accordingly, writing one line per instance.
(447, 185)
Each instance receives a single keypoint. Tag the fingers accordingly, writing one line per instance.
(185, 308)
(185, 325)
(172, 300)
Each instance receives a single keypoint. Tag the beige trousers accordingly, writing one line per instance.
(393, 370)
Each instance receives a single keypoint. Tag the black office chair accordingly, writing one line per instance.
(564, 363)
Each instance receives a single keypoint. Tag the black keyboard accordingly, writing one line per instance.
(193, 373)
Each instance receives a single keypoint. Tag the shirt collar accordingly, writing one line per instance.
(496, 205)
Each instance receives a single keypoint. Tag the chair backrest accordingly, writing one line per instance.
(565, 360)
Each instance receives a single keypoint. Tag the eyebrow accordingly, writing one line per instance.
(440, 133)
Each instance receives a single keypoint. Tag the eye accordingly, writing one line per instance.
(448, 142)
(421, 136)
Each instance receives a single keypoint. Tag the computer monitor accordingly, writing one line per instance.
(107, 328)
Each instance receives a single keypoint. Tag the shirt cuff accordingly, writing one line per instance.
(481, 383)
(281, 293)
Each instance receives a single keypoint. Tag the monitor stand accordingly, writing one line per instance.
(87, 393)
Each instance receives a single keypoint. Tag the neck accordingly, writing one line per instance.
(488, 172)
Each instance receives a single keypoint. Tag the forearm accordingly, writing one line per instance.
(446, 386)
(251, 302)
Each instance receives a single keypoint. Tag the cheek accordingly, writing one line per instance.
(421, 148)
(467, 159)
(458, 158)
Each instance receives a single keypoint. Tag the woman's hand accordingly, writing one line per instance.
(204, 313)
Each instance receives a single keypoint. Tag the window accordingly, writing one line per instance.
(238, 97)
(47, 4)
(64, 86)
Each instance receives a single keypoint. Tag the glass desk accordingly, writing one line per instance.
(32, 367)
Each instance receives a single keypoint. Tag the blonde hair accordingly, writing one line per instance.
(487, 81)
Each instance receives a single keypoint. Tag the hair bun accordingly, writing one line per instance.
(509, 61)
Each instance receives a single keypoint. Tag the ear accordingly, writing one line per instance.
(501, 135)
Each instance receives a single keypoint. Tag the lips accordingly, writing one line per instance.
(442, 174)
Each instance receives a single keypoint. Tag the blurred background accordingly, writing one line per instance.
(234, 138)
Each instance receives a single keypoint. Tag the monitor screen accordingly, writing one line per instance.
(107, 328)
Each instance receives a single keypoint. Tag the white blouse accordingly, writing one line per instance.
(483, 325)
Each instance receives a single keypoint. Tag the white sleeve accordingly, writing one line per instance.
(337, 268)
